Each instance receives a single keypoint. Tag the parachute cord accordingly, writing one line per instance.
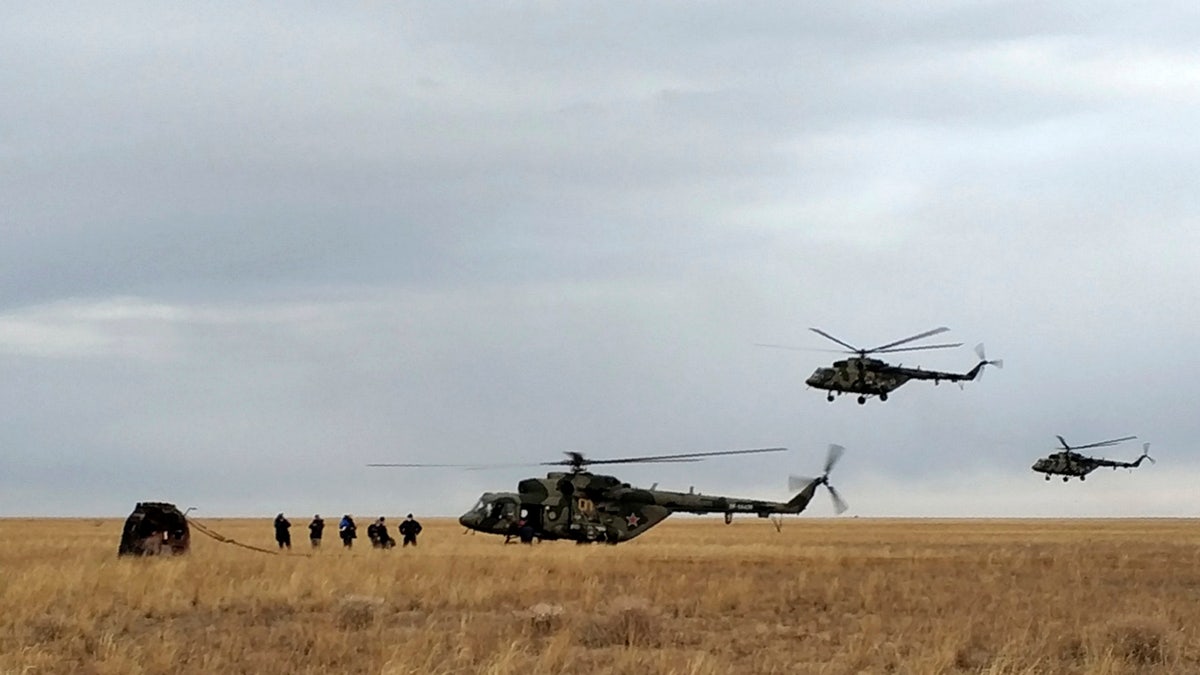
(208, 532)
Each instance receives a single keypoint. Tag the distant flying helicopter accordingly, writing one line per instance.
(1069, 463)
(873, 377)
(584, 507)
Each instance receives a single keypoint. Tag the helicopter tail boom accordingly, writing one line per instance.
(969, 376)
(803, 497)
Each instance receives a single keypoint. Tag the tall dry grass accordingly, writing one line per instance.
(693, 596)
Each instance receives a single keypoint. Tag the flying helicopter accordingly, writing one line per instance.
(584, 507)
(868, 377)
(1068, 462)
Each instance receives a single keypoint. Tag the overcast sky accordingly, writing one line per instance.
(247, 250)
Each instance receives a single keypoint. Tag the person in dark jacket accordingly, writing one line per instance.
(378, 533)
(409, 529)
(315, 529)
(283, 534)
(347, 530)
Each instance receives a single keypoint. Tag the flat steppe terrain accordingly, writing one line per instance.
(690, 596)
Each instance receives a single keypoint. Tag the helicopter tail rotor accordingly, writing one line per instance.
(977, 371)
(839, 504)
(801, 483)
(1145, 455)
(831, 458)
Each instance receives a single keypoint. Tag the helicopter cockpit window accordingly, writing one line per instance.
(480, 506)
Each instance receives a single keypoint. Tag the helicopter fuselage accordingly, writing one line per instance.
(1073, 464)
(586, 507)
(873, 377)
(1065, 464)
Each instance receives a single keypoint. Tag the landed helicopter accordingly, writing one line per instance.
(585, 507)
(873, 377)
(1068, 462)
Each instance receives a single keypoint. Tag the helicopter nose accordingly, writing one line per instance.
(468, 520)
(814, 379)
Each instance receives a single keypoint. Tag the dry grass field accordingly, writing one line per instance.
(692, 596)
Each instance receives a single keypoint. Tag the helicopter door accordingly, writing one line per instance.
(532, 515)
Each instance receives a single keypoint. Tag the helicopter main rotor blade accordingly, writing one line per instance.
(916, 349)
(685, 456)
(918, 336)
(413, 465)
(1104, 444)
(827, 336)
(469, 467)
(804, 349)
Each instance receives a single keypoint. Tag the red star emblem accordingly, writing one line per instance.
(632, 520)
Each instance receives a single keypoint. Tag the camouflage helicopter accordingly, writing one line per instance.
(1067, 462)
(585, 507)
(873, 377)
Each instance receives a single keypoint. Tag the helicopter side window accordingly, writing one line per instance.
(480, 506)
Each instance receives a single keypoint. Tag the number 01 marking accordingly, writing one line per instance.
(585, 505)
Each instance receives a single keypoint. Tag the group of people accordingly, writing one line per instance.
(377, 532)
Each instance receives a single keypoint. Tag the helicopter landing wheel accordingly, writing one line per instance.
(1082, 478)
(883, 396)
(829, 397)
(1047, 476)
(1066, 478)
(862, 400)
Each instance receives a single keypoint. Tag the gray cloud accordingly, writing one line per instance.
(248, 251)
